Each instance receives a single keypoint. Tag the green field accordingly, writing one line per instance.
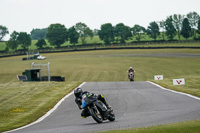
(89, 40)
(24, 102)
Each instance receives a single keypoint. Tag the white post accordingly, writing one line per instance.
(27, 55)
(40, 72)
(48, 68)
(32, 65)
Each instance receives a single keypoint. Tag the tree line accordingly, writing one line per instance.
(57, 34)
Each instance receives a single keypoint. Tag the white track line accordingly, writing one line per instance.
(47, 114)
(174, 91)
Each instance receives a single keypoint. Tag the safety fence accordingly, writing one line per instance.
(99, 46)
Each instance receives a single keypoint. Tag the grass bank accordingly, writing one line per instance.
(24, 102)
(183, 127)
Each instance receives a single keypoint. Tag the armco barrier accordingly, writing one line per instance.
(89, 47)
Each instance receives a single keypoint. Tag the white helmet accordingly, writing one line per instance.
(130, 68)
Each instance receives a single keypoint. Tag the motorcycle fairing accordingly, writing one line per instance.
(101, 106)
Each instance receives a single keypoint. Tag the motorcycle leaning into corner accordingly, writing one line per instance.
(97, 109)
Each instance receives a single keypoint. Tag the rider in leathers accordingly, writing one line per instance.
(130, 70)
(79, 93)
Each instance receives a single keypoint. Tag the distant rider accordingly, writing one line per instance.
(130, 70)
(79, 93)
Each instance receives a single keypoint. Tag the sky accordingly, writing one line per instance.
(25, 15)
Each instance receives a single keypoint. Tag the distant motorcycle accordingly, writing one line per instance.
(131, 76)
(97, 109)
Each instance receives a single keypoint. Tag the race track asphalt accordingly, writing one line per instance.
(136, 104)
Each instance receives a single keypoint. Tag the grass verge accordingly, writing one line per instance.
(24, 102)
(183, 127)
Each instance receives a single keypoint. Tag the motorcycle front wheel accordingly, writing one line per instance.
(111, 116)
(96, 115)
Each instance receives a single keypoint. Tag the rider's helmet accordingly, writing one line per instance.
(78, 92)
(130, 68)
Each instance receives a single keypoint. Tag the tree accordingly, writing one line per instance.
(170, 29)
(198, 27)
(56, 34)
(186, 28)
(138, 31)
(162, 27)
(122, 32)
(37, 34)
(83, 31)
(13, 42)
(3, 32)
(193, 18)
(106, 33)
(24, 40)
(95, 32)
(73, 35)
(153, 30)
(90, 32)
(177, 22)
(40, 43)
